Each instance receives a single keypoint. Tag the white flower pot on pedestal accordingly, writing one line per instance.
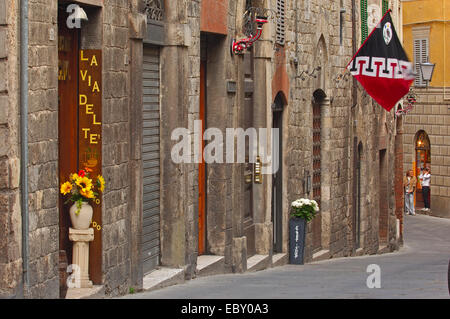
(82, 220)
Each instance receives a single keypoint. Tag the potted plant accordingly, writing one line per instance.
(82, 189)
(302, 211)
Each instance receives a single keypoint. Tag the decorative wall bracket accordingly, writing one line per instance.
(311, 73)
(254, 20)
(342, 77)
(239, 46)
(410, 99)
(154, 9)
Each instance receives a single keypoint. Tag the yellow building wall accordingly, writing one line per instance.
(436, 15)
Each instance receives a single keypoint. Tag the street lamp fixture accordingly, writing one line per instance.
(427, 69)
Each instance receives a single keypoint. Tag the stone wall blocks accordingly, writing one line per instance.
(4, 14)
(137, 25)
(4, 46)
(3, 79)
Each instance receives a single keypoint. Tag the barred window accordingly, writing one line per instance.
(281, 22)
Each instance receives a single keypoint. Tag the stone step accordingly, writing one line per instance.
(258, 262)
(96, 292)
(280, 259)
(208, 265)
(321, 255)
(383, 249)
(163, 277)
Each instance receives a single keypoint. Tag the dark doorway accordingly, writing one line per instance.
(247, 122)
(277, 181)
(318, 98)
(422, 160)
(383, 195)
(202, 164)
(357, 194)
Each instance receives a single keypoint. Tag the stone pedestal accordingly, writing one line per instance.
(80, 255)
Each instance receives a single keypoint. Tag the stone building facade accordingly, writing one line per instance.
(30, 252)
(167, 65)
(426, 138)
(10, 213)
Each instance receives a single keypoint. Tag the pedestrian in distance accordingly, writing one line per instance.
(425, 178)
(409, 184)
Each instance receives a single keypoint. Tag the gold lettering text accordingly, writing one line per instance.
(83, 99)
(95, 122)
(89, 109)
(83, 76)
(96, 88)
(86, 131)
(94, 61)
(82, 58)
(93, 138)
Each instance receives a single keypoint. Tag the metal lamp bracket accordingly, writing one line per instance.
(239, 46)
(252, 17)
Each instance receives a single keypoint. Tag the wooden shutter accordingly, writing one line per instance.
(281, 22)
(420, 55)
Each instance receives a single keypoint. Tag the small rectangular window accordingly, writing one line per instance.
(385, 4)
(281, 22)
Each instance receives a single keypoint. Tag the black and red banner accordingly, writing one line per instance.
(381, 65)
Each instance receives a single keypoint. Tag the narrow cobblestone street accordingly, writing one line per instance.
(418, 270)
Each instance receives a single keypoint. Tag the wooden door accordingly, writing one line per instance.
(202, 165)
(247, 119)
(67, 122)
(277, 183)
(383, 220)
(79, 131)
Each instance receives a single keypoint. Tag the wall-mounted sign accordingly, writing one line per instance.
(90, 135)
(90, 109)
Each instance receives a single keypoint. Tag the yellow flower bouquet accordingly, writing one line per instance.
(81, 188)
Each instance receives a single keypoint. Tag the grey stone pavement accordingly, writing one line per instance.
(418, 270)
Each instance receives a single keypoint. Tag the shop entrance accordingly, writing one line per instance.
(79, 124)
(422, 159)
(151, 159)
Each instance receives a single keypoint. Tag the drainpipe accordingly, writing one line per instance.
(24, 138)
(354, 85)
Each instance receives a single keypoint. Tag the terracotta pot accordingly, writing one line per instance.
(83, 219)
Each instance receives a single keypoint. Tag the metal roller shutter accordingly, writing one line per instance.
(150, 158)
